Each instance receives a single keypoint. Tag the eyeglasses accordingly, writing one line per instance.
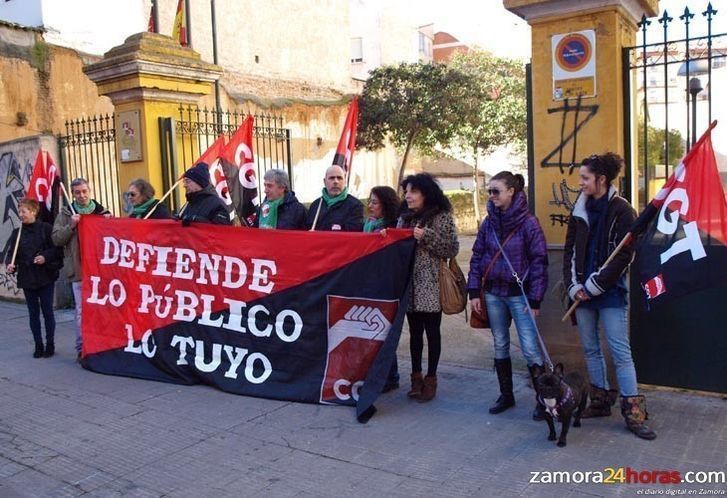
(493, 191)
(130, 194)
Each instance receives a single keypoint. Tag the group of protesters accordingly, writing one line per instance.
(508, 271)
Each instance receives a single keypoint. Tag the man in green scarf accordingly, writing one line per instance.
(280, 209)
(65, 235)
(336, 209)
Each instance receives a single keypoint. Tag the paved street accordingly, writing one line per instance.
(65, 431)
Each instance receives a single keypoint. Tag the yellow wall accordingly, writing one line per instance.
(603, 132)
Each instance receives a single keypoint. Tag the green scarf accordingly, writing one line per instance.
(90, 207)
(138, 211)
(331, 201)
(373, 225)
(270, 220)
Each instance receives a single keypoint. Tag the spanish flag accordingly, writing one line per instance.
(179, 32)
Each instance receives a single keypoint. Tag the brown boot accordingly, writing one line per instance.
(633, 409)
(430, 388)
(601, 402)
(417, 383)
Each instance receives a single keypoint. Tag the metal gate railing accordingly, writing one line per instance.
(88, 150)
(674, 81)
(185, 138)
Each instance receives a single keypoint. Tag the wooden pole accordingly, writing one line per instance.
(627, 238)
(164, 197)
(318, 211)
(68, 198)
(17, 243)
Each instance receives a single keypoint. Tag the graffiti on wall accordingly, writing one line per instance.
(565, 157)
(564, 196)
(582, 114)
(14, 175)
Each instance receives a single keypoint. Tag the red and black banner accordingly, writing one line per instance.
(347, 142)
(301, 316)
(684, 243)
(44, 186)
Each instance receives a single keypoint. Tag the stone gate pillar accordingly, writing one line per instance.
(576, 50)
(146, 78)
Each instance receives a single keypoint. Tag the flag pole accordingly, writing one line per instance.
(315, 220)
(624, 242)
(17, 243)
(68, 198)
(151, 211)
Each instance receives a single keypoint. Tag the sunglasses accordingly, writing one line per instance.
(130, 194)
(493, 191)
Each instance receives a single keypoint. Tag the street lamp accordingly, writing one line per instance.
(695, 86)
(693, 69)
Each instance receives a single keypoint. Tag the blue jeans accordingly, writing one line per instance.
(76, 286)
(617, 337)
(37, 300)
(499, 311)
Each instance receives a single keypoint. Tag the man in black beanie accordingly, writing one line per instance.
(203, 203)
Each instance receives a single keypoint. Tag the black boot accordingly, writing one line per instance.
(50, 350)
(539, 411)
(504, 378)
(38, 350)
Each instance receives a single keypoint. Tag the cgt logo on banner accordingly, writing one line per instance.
(357, 328)
(266, 313)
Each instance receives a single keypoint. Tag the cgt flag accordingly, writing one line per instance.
(277, 314)
(684, 244)
(238, 164)
(44, 184)
(218, 176)
(347, 142)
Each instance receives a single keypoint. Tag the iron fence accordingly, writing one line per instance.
(674, 81)
(88, 150)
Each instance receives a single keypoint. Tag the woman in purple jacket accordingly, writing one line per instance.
(523, 241)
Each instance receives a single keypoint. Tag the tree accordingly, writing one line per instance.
(656, 147)
(411, 104)
(493, 112)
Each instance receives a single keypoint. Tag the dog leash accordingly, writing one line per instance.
(546, 356)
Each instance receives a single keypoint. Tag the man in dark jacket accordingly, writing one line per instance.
(336, 209)
(203, 203)
(280, 209)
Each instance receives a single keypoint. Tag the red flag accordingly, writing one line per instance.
(44, 181)
(347, 142)
(179, 31)
(238, 157)
(151, 27)
(684, 248)
(218, 177)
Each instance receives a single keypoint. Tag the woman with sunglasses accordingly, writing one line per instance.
(522, 240)
(599, 221)
(141, 196)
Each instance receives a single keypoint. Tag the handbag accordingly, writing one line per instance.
(481, 320)
(452, 287)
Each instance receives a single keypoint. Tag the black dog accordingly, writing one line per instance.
(563, 398)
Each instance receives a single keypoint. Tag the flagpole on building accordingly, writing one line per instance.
(218, 114)
(155, 15)
(187, 19)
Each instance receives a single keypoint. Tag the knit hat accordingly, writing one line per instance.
(199, 174)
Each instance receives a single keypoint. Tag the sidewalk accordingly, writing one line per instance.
(65, 431)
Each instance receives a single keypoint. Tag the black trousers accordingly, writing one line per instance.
(37, 300)
(419, 323)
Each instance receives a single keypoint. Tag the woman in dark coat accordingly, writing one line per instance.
(37, 263)
(141, 195)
